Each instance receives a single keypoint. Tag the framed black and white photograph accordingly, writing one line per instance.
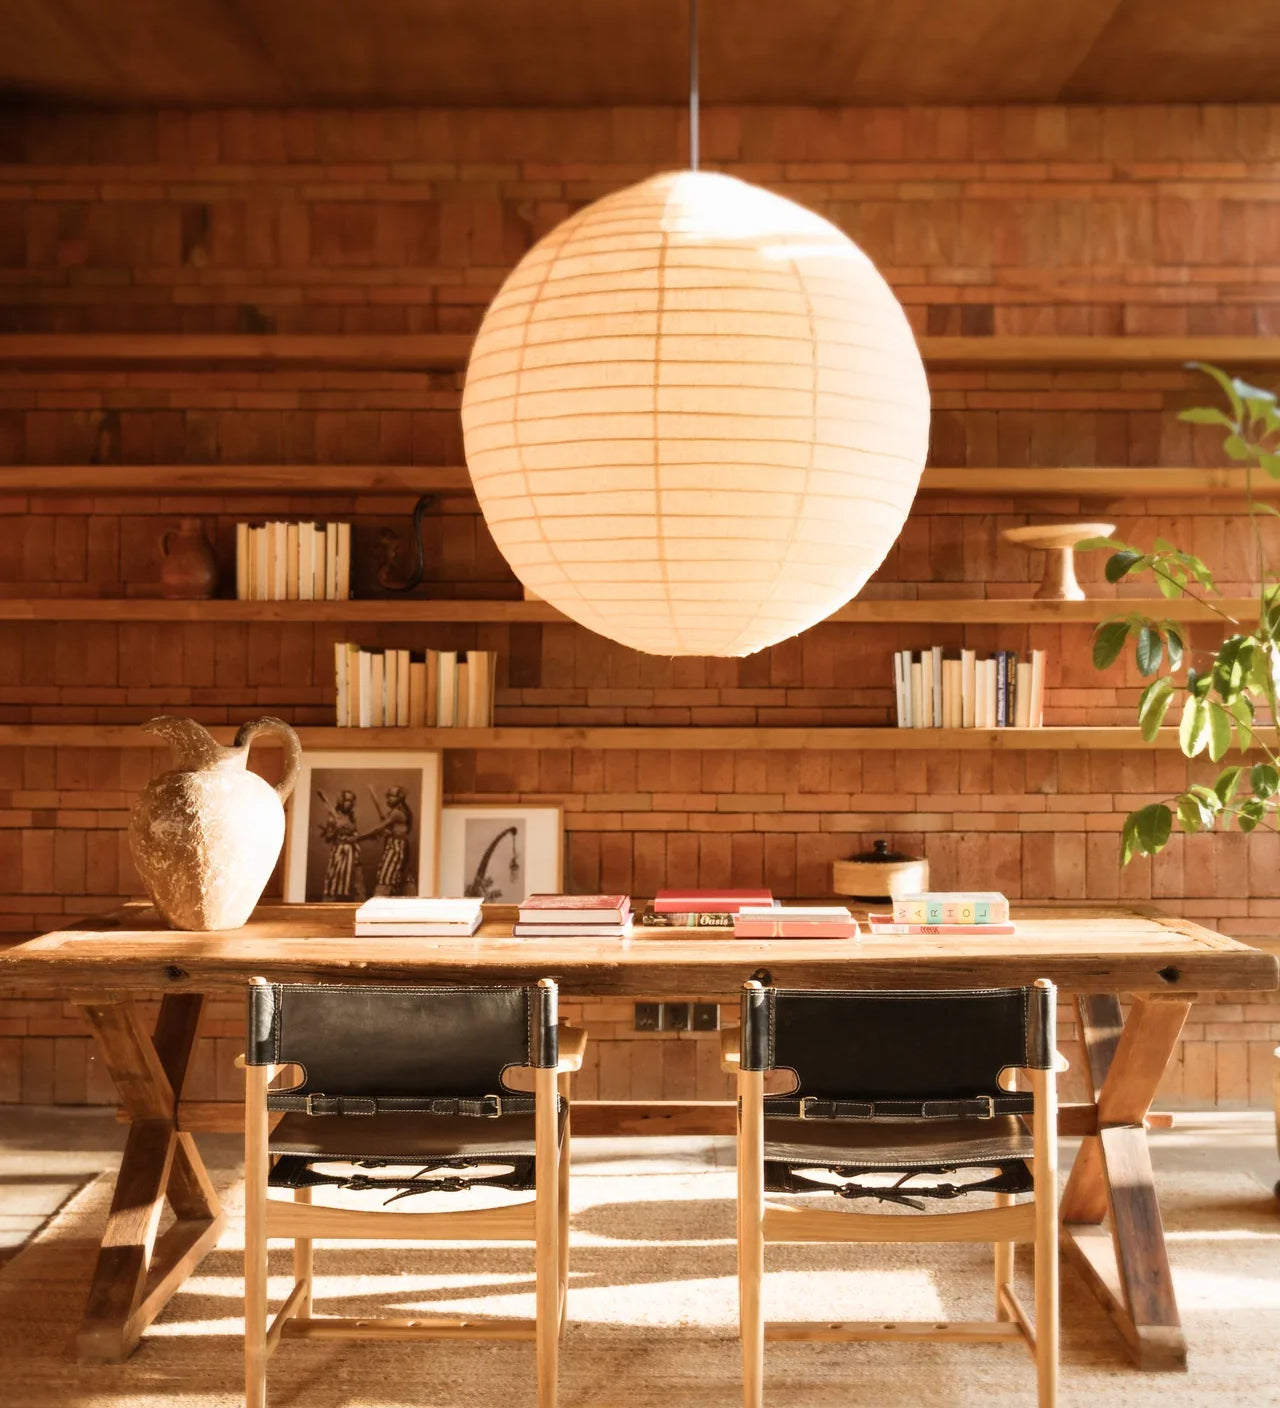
(363, 823)
(501, 852)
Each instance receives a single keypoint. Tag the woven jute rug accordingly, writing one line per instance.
(652, 1315)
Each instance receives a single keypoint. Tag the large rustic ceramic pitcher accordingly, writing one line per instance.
(206, 835)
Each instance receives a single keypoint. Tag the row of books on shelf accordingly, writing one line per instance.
(1000, 691)
(293, 561)
(407, 689)
(751, 914)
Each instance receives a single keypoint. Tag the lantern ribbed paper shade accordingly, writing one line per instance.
(695, 417)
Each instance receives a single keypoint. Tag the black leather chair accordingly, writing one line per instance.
(405, 1091)
(903, 1098)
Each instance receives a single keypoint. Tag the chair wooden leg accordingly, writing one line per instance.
(751, 1234)
(1004, 1262)
(547, 1245)
(303, 1260)
(1045, 1173)
(562, 1210)
(255, 1238)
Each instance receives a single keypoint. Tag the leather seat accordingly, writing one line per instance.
(407, 1139)
(897, 1144)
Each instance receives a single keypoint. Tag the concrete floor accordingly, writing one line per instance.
(48, 1153)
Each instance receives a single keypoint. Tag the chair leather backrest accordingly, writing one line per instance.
(401, 1041)
(896, 1045)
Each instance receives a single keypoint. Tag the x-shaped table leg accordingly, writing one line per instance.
(137, 1271)
(1126, 1264)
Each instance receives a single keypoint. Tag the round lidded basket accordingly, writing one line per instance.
(880, 874)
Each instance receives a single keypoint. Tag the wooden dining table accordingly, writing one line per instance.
(1111, 1226)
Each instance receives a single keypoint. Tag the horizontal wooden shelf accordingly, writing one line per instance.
(392, 611)
(371, 479)
(1108, 739)
(411, 352)
(449, 351)
(411, 480)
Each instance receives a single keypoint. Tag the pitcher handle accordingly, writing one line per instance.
(246, 733)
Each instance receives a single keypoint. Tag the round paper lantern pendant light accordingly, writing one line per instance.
(695, 417)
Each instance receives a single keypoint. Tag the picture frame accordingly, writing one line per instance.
(502, 851)
(363, 822)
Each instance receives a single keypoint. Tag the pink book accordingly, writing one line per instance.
(794, 929)
(708, 901)
(884, 924)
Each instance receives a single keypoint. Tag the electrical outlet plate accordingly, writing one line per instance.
(706, 1017)
(677, 1016)
(648, 1017)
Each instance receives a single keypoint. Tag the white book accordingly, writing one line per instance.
(968, 659)
(403, 669)
(378, 688)
(477, 687)
(936, 654)
(989, 670)
(418, 694)
(279, 561)
(344, 561)
(321, 564)
(1036, 710)
(366, 689)
(242, 561)
(907, 701)
(291, 561)
(1022, 693)
(391, 686)
(917, 694)
(261, 559)
(396, 909)
(340, 675)
(447, 702)
(979, 695)
(899, 695)
(331, 562)
(306, 562)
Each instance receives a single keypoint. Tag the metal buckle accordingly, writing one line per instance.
(990, 1112)
(338, 1104)
(496, 1112)
(310, 1105)
(805, 1101)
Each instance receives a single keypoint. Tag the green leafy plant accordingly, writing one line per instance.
(1224, 696)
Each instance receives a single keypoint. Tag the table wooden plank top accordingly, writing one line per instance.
(1082, 948)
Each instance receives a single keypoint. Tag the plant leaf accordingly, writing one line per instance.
(1228, 784)
(1093, 544)
(1173, 638)
(1153, 706)
(1206, 415)
(1153, 825)
(1122, 563)
(1193, 728)
(1264, 779)
(1219, 730)
(1108, 642)
(1191, 815)
(1227, 383)
(1150, 651)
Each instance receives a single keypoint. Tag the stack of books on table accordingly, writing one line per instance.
(574, 917)
(946, 912)
(400, 689)
(999, 692)
(700, 909)
(394, 917)
(293, 562)
(795, 921)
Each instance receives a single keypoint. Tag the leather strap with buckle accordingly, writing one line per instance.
(490, 1107)
(979, 1107)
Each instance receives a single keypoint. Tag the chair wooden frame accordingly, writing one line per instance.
(1003, 1225)
(542, 1221)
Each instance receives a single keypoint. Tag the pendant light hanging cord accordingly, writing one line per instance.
(693, 85)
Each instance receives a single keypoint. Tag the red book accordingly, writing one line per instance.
(708, 901)
(574, 909)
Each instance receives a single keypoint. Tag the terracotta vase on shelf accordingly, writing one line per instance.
(206, 835)
(188, 569)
